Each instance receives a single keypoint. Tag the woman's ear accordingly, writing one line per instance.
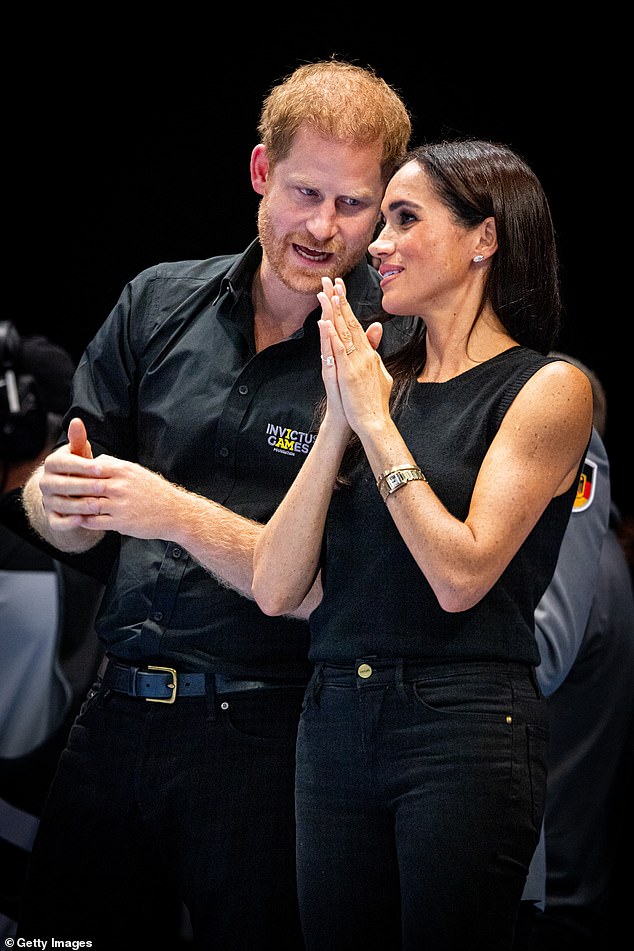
(487, 240)
(259, 169)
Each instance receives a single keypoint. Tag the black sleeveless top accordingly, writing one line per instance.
(376, 599)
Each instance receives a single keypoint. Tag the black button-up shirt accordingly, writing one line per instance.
(172, 381)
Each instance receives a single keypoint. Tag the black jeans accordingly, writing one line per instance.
(153, 804)
(419, 803)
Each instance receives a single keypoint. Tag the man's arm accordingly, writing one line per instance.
(74, 499)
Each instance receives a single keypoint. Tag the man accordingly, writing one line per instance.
(180, 769)
(585, 632)
(560, 621)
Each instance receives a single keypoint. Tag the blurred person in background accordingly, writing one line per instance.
(585, 632)
(48, 649)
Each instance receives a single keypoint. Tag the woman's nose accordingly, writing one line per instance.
(382, 244)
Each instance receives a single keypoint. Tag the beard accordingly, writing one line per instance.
(305, 280)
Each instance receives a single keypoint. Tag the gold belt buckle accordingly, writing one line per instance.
(173, 686)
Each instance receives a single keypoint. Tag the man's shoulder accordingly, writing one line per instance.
(196, 271)
(169, 280)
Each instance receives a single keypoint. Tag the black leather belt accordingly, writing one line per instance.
(164, 684)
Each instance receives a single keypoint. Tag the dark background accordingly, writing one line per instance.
(136, 150)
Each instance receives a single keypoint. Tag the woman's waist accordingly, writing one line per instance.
(373, 670)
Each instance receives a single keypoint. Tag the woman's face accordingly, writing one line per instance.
(425, 257)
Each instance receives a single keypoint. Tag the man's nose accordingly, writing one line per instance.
(322, 223)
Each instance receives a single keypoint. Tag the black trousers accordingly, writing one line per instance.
(155, 804)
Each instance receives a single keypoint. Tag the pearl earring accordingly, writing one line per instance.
(478, 258)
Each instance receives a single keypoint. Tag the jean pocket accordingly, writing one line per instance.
(269, 718)
(467, 694)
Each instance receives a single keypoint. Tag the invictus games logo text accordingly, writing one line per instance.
(289, 441)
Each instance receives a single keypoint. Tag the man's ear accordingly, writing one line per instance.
(259, 169)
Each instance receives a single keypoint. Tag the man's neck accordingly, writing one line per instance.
(277, 311)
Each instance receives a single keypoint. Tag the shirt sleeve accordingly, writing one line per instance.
(562, 614)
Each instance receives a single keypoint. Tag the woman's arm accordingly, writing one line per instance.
(286, 554)
(534, 457)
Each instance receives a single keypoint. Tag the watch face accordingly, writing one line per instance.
(394, 479)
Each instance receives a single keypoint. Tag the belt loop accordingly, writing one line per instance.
(132, 672)
(315, 683)
(210, 696)
(103, 666)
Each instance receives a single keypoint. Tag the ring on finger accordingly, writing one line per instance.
(329, 361)
(350, 349)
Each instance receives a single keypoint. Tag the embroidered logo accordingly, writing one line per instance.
(586, 486)
(290, 442)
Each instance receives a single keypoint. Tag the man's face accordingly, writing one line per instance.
(318, 210)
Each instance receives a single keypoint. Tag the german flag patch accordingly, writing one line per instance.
(586, 487)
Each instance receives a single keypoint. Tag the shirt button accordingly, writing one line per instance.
(157, 616)
(224, 705)
(177, 552)
(224, 452)
(243, 390)
(364, 670)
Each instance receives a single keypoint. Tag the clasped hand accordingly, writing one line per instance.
(358, 386)
(101, 494)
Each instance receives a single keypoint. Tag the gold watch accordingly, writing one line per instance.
(392, 480)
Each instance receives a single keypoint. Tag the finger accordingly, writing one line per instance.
(348, 327)
(327, 312)
(78, 439)
(326, 331)
(335, 327)
(374, 334)
(327, 286)
(344, 335)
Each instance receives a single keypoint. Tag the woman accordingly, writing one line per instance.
(433, 501)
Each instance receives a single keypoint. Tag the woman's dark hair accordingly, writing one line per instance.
(476, 179)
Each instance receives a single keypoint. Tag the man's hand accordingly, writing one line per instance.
(102, 494)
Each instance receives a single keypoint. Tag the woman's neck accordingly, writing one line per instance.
(453, 348)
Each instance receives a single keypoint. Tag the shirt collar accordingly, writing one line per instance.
(239, 277)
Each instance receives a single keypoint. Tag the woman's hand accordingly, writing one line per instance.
(363, 383)
(334, 407)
